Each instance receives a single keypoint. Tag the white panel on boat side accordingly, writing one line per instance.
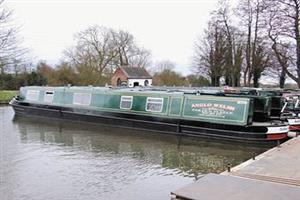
(48, 96)
(82, 99)
(295, 121)
(32, 95)
(279, 129)
(126, 102)
(154, 104)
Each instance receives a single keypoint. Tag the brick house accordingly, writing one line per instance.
(131, 77)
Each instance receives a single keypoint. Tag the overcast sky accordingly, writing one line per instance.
(167, 28)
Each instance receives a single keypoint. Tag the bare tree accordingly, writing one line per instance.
(282, 24)
(220, 52)
(209, 52)
(99, 50)
(125, 47)
(129, 54)
(275, 70)
(142, 58)
(93, 53)
(234, 45)
(11, 52)
(250, 13)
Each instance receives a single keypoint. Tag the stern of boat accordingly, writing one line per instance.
(277, 132)
(294, 124)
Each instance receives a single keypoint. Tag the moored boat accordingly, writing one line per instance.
(282, 105)
(269, 104)
(163, 110)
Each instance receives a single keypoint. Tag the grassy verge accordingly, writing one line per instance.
(6, 95)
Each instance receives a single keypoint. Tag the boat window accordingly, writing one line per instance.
(154, 104)
(126, 102)
(32, 95)
(48, 97)
(82, 99)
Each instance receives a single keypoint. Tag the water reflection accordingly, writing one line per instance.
(54, 159)
(190, 156)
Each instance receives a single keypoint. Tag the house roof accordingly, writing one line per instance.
(136, 72)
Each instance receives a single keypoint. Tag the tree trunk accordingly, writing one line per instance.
(212, 78)
(228, 80)
(249, 78)
(297, 37)
(256, 81)
(215, 80)
(282, 78)
(237, 78)
(248, 56)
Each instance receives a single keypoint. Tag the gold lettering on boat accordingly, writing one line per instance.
(213, 106)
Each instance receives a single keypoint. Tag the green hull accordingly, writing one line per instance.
(175, 105)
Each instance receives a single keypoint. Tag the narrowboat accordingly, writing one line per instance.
(269, 104)
(280, 104)
(175, 111)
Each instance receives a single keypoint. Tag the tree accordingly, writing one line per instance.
(11, 52)
(282, 24)
(142, 58)
(99, 50)
(46, 71)
(226, 50)
(35, 78)
(62, 74)
(93, 53)
(234, 45)
(168, 77)
(197, 81)
(276, 71)
(124, 44)
(65, 74)
(129, 54)
(209, 52)
(220, 52)
(256, 53)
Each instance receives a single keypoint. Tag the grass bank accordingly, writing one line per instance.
(6, 96)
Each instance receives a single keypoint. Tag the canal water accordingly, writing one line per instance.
(61, 160)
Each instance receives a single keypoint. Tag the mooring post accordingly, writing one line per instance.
(228, 167)
(278, 143)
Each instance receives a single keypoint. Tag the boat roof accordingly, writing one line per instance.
(156, 90)
(215, 91)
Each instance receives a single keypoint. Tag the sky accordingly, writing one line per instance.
(167, 28)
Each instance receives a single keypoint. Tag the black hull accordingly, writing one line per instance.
(158, 124)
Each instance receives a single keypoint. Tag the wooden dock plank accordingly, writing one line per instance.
(216, 187)
(279, 163)
(273, 175)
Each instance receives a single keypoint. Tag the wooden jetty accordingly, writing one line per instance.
(274, 174)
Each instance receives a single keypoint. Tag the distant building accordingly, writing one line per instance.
(131, 77)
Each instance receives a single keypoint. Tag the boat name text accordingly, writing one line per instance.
(213, 106)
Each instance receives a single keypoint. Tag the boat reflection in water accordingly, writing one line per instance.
(188, 155)
(65, 160)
